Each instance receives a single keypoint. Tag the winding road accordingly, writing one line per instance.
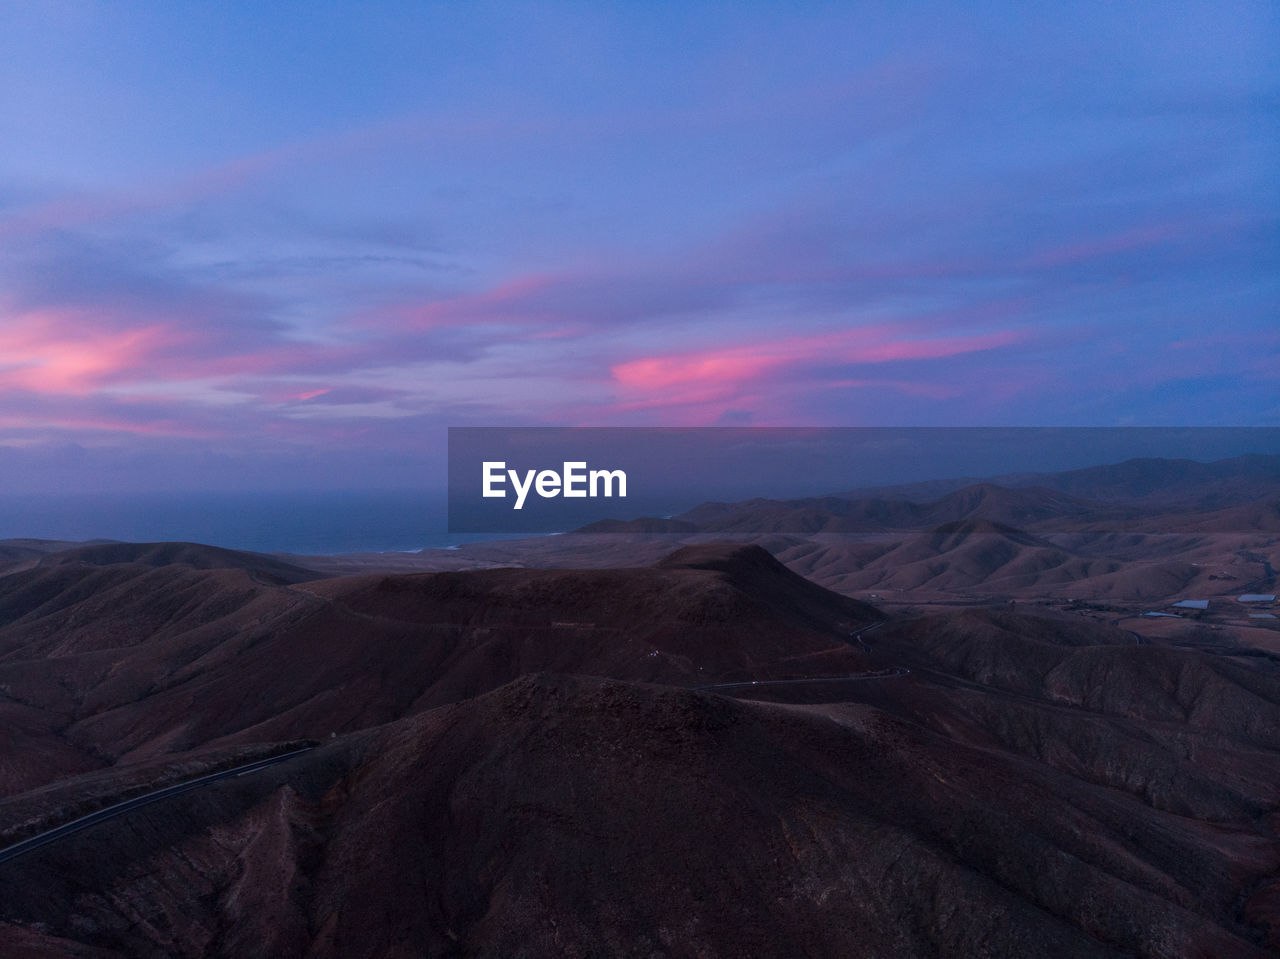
(890, 672)
(893, 672)
(128, 805)
(856, 635)
(24, 846)
(1141, 640)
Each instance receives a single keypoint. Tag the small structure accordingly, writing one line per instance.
(1170, 615)
(1191, 604)
(1257, 598)
(1262, 615)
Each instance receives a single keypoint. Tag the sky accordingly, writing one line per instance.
(287, 245)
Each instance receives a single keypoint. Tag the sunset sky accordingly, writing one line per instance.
(256, 245)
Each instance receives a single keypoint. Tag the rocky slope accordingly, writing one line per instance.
(521, 762)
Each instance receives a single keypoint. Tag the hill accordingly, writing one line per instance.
(835, 514)
(193, 555)
(708, 756)
(129, 661)
(1149, 482)
(569, 816)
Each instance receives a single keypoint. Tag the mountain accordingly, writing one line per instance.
(830, 514)
(1262, 516)
(711, 755)
(21, 553)
(955, 557)
(1014, 507)
(646, 524)
(1175, 483)
(193, 555)
(130, 661)
(1151, 482)
(561, 815)
(835, 514)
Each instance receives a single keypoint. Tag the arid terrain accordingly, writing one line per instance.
(964, 718)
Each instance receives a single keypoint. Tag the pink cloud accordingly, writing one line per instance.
(49, 352)
(76, 351)
(763, 379)
(660, 373)
(734, 367)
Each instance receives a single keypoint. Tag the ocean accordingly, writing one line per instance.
(353, 521)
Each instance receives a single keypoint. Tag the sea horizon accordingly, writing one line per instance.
(325, 522)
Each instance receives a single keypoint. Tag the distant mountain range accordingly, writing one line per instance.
(1116, 493)
(1154, 483)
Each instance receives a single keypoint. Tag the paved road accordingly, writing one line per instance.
(1137, 636)
(856, 635)
(120, 808)
(891, 673)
